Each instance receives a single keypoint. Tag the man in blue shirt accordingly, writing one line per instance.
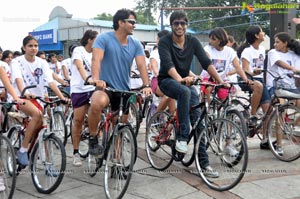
(113, 54)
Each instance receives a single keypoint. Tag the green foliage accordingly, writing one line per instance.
(205, 20)
(104, 16)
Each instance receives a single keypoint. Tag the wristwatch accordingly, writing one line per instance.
(146, 86)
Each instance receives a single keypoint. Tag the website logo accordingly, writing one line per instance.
(271, 8)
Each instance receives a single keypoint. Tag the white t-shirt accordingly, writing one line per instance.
(220, 59)
(155, 55)
(290, 58)
(67, 62)
(77, 83)
(35, 73)
(255, 57)
(136, 82)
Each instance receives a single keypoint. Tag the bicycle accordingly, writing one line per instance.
(140, 107)
(217, 132)
(8, 169)
(47, 155)
(282, 117)
(120, 149)
(59, 124)
(284, 122)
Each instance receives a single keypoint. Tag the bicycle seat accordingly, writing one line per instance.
(281, 93)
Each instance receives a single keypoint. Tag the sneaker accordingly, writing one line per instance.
(22, 158)
(2, 186)
(51, 171)
(210, 172)
(76, 160)
(253, 120)
(94, 148)
(279, 150)
(181, 146)
(231, 150)
(118, 172)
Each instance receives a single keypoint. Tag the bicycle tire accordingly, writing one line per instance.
(118, 170)
(38, 168)
(15, 138)
(290, 121)
(239, 120)
(230, 171)
(7, 167)
(189, 157)
(134, 118)
(59, 128)
(151, 110)
(159, 154)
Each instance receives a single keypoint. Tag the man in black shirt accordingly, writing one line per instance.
(176, 51)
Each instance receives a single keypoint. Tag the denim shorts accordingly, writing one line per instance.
(80, 99)
(265, 98)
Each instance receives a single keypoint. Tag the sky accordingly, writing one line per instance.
(15, 23)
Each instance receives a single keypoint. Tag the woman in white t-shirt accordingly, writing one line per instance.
(27, 70)
(80, 93)
(222, 57)
(252, 55)
(283, 59)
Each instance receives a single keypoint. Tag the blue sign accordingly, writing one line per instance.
(45, 36)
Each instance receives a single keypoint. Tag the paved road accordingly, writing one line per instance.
(266, 177)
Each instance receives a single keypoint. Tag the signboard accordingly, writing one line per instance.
(45, 36)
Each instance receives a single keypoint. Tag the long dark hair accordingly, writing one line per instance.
(89, 34)
(250, 38)
(292, 44)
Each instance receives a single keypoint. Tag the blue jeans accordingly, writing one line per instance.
(186, 97)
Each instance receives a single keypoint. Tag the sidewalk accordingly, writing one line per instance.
(266, 177)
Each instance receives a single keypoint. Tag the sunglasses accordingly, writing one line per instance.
(182, 23)
(131, 21)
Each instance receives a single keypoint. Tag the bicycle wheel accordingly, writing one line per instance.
(239, 120)
(159, 151)
(230, 170)
(189, 157)
(59, 127)
(133, 118)
(150, 112)
(119, 162)
(7, 168)
(284, 131)
(48, 164)
(16, 139)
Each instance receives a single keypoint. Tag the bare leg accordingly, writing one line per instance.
(78, 118)
(99, 101)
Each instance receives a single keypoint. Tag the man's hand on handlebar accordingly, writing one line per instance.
(188, 81)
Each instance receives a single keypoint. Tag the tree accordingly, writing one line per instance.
(205, 20)
(104, 16)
